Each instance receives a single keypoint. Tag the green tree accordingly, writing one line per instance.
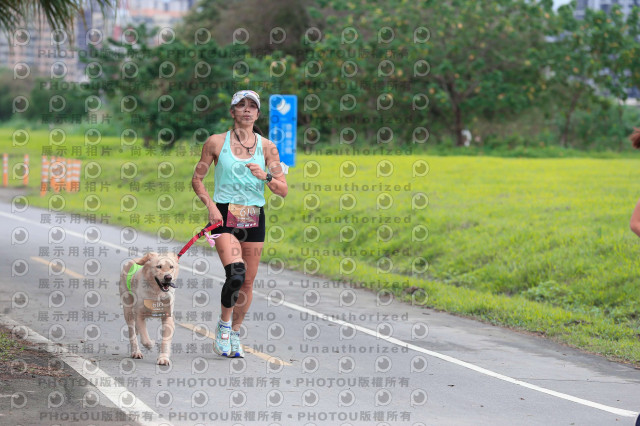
(60, 14)
(390, 59)
(484, 58)
(10, 88)
(362, 74)
(265, 30)
(175, 90)
(205, 14)
(51, 101)
(591, 62)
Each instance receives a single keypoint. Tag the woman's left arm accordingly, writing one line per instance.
(278, 184)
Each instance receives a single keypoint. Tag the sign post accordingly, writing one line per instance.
(283, 120)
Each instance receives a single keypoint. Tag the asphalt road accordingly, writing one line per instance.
(320, 352)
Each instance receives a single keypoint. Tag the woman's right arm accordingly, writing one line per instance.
(206, 159)
(635, 220)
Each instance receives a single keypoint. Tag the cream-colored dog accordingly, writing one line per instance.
(147, 289)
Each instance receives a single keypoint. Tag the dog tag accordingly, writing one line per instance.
(241, 216)
(156, 308)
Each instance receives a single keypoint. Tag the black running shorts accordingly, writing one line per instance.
(244, 235)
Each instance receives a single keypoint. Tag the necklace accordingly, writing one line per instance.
(248, 148)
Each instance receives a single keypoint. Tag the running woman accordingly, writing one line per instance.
(244, 163)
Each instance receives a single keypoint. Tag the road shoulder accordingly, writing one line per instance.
(39, 388)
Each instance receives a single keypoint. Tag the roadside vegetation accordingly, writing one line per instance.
(541, 245)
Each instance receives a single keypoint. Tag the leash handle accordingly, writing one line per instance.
(195, 238)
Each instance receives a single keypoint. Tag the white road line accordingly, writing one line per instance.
(118, 395)
(447, 358)
(67, 232)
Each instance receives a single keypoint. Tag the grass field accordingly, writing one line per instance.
(541, 245)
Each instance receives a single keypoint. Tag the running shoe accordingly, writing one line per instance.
(236, 347)
(221, 344)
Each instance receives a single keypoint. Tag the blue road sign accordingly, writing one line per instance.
(283, 122)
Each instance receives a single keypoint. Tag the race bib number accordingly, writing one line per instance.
(241, 216)
(156, 308)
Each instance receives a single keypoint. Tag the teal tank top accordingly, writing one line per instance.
(233, 181)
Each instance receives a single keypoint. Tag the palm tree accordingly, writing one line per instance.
(60, 14)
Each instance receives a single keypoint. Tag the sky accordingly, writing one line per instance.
(558, 3)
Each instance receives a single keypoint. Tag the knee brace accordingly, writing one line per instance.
(235, 273)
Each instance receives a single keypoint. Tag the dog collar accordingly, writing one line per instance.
(134, 268)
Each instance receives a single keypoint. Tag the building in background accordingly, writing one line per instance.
(52, 54)
(605, 5)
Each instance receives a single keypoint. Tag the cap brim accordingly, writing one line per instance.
(251, 96)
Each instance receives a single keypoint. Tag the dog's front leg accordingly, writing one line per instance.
(167, 336)
(133, 338)
(141, 326)
(130, 318)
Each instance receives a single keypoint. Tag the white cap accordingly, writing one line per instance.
(238, 96)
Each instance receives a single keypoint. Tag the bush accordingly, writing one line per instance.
(604, 127)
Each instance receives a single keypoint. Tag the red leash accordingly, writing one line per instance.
(204, 230)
